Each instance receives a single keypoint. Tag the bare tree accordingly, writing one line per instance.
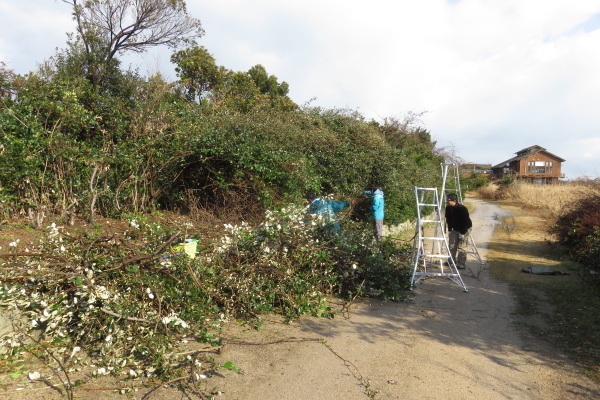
(107, 28)
(450, 154)
(409, 129)
(7, 77)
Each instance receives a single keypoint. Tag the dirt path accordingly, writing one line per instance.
(446, 344)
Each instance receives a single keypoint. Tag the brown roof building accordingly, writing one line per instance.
(475, 168)
(534, 164)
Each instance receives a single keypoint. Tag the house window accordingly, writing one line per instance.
(539, 167)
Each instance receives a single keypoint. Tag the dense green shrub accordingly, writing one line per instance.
(328, 151)
(129, 144)
(578, 230)
(474, 181)
(506, 181)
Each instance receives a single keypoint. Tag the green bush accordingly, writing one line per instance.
(474, 181)
(331, 152)
(132, 145)
(506, 181)
(578, 230)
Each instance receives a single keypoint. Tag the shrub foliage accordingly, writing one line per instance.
(135, 144)
(474, 181)
(578, 230)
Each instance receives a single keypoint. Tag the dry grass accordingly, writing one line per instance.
(551, 199)
(490, 192)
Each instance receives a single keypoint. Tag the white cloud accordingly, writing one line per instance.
(31, 31)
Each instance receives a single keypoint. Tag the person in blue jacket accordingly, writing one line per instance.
(326, 209)
(376, 207)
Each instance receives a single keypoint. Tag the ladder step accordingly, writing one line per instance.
(435, 274)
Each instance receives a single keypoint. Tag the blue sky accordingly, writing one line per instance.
(492, 76)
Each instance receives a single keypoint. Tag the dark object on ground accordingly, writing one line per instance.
(542, 270)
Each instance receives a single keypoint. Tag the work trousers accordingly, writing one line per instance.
(458, 247)
(378, 229)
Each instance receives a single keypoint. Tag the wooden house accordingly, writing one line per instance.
(467, 169)
(534, 164)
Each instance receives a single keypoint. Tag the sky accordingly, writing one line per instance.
(490, 77)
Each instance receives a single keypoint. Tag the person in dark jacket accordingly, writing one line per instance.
(459, 226)
(326, 209)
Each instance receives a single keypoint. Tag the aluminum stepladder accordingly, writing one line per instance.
(431, 263)
(451, 184)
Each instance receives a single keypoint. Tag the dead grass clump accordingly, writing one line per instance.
(489, 192)
(234, 205)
